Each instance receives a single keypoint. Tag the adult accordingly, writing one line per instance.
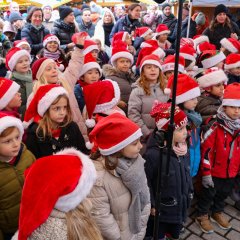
(151, 18)
(13, 7)
(17, 23)
(202, 22)
(119, 11)
(129, 22)
(34, 31)
(64, 28)
(86, 24)
(47, 16)
(221, 27)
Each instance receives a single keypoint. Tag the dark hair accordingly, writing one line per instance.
(32, 10)
(134, 5)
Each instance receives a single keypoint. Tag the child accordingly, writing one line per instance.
(18, 62)
(14, 160)
(142, 34)
(91, 46)
(23, 44)
(176, 196)
(58, 184)
(102, 55)
(120, 72)
(232, 68)
(120, 196)
(220, 162)
(52, 128)
(161, 36)
(230, 45)
(145, 91)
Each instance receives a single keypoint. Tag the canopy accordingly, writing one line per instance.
(52, 3)
(149, 2)
(214, 3)
(5, 3)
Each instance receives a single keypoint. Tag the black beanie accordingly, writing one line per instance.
(220, 9)
(64, 11)
(166, 5)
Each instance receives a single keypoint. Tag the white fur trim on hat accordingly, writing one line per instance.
(49, 98)
(199, 40)
(22, 43)
(146, 33)
(159, 52)
(228, 45)
(231, 102)
(9, 121)
(212, 61)
(15, 57)
(89, 49)
(124, 54)
(122, 144)
(43, 66)
(51, 39)
(90, 65)
(124, 36)
(193, 93)
(9, 94)
(212, 78)
(233, 65)
(188, 57)
(151, 61)
(87, 178)
(171, 66)
(161, 33)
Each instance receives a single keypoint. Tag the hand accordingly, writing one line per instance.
(234, 35)
(207, 181)
(70, 45)
(122, 104)
(153, 211)
(131, 49)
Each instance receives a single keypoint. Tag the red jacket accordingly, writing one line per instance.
(220, 152)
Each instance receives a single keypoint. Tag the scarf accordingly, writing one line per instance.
(194, 117)
(180, 149)
(37, 27)
(55, 56)
(230, 123)
(69, 27)
(26, 79)
(133, 176)
(107, 30)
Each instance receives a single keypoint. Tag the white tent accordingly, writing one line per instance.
(213, 3)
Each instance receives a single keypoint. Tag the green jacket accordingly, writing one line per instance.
(11, 184)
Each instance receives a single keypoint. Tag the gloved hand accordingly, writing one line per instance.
(207, 181)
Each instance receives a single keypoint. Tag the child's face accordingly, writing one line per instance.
(232, 112)
(10, 145)
(219, 65)
(163, 37)
(58, 111)
(190, 104)
(128, 40)
(23, 65)
(52, 46)
(168, 74)
(217, 90)
(132, 150)
(15, 102)
(91, 76)
(148, 36)
(123, 64)
(235, 71)
(151, 72)
(25, 47)
(180, 135)
(50, 73)
(95, 53)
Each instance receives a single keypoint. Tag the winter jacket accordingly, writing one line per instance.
(178, 192)
(220, 151)
(78, 92)
(151, 20)
(70, 136)
(34, 37)
(77, 14)
(170, 21)
(140, 106)
(220, 32)
(89, 28)
(111, 199)
(233, 78)
(200, 28)
(11, 184)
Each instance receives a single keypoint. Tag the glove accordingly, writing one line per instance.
(207, 181)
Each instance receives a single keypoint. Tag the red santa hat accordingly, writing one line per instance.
(188, 52)
(7, 121)
(61, 181)
(119, 36)
(231, 44)
(50, 38)
(187, 88)
(186, 41)
(13, 56)
(75, 36)
(113, 133)
(232, 61)
(143, 31)
(161, 112)
(150, 59)
(211, 77)
(199, 39)
(169, 64)
(39, 66)
(19, 43)
(211, 58)
(42, 100)
(161, 29)
(149, 43)
(89, 45)
(231, 96)
(8, 89)
(120, 50)
(205, 46)
(90, 63)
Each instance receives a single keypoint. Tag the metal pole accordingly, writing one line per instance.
(189, 18)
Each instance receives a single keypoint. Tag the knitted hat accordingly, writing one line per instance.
(120, 50)
(13, 56)
(47, 6)
(220, 9)
(186, 41)
(162, 113)
(161, 29)
(169, 64)
(64, 11)
(8, 89)
(200, 19)
(164, 5)
(211, 58)
(231, 95)
(119, 36)
(19, 43)
(42, 100)
(187, 88)
(61, 181)
(39, 66)
(188, 53)
(89, 45)
(232, 61)
(211, 77)
(100, 97)
(150, 59)
(149, 43)
(14, 16)
(231, 44)
(90, 63)
(50, 38)
(205, 46)
(143, 31)
(199, 39)
(7, 121)
(113, 133)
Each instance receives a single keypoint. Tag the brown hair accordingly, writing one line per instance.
(134, 5)
(32, 10)
(45, 125)
(214, 23)
(7, 131)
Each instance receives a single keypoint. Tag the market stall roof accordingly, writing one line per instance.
(213, 3)
(149, 2)
(53, 3)
(5, 3)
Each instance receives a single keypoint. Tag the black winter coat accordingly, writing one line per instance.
(179, 183)
(233, 78)
(170, 21)
(70, 137)
(34, 37)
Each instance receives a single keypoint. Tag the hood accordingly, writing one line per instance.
(108, 70)
(76, 12)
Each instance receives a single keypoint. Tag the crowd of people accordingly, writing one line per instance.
(85, 106)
